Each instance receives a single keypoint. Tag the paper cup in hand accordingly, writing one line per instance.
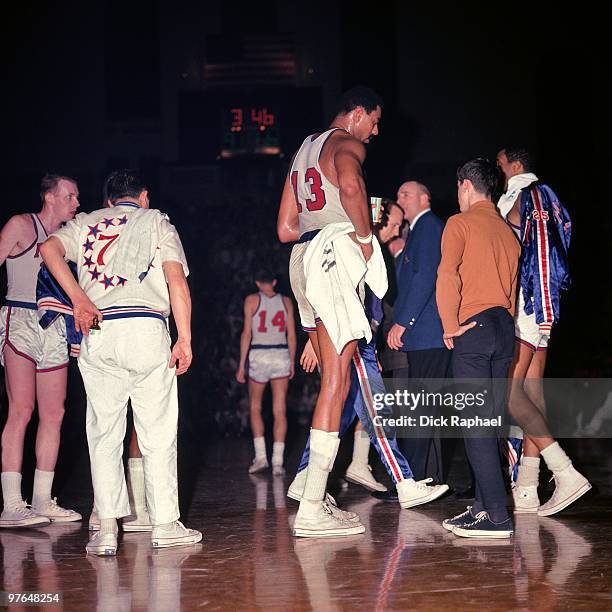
(375, 207)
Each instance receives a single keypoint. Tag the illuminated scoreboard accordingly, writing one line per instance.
(234, 124)
(250, 130)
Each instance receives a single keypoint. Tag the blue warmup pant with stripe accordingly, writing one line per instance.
(366, 381)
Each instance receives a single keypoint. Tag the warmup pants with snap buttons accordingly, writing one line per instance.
(128, 360)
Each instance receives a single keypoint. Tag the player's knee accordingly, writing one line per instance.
(20, 412)
(52, 414)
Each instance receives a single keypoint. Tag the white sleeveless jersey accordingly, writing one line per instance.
(318, 200)
(22, 269)
(269, 323)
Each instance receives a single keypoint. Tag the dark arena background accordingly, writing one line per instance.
(209, 101)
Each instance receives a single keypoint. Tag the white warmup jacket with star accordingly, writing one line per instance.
(335, 272)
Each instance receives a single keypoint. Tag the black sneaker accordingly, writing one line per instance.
(458, 521)
(484, 527)
(386, 496)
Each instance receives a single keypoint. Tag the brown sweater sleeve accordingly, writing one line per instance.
(448, 285)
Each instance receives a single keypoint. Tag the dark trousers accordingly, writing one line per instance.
(424, 453)
(485, 352)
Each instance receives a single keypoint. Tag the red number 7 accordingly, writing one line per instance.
(110, 239)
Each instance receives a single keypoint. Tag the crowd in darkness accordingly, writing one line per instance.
(225, 247)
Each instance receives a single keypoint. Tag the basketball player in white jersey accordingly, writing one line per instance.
(131, 271)
(325, 185)
(34, 359)
(268, 338)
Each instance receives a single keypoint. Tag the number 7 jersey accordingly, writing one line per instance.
(269, 323)
(318, 200)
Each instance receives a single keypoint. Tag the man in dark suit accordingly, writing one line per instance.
(417, 329)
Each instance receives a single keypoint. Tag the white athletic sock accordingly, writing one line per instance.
(108, 526)
(278, 451)
(528, 472)
(42, 487)
(136, 484)
(361, 447)
(323, 449)
(11, 489)
(260, 447)
(555, 458)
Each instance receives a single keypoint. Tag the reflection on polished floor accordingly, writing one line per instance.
(248, 559)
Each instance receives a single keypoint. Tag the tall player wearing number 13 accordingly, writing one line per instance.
(325, 186)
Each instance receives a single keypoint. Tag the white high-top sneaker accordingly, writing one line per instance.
(174, 535)
(258, 465)
(412, 492)
(278, 469)
(361, 474)
(296, 488)
(526, 500)
(102, 544)
(570, 484)
(324, 524)
(21, 515)
(55, 513)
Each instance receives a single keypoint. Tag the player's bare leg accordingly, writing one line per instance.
(315, 518)
(50, 395)
(279, 411)
(20, 376)
(256, 391)
(527, 405)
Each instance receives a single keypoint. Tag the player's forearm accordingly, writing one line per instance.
(291, 344)
(52, 252)
(353, 197)
(180, 302)
(245, 343)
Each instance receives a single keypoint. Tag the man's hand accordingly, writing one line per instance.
(240, 375)
(181, 352)
(396, 246)
(448, 338)
(366, 249)
(308, 360)
(85, 312)
(394, 337)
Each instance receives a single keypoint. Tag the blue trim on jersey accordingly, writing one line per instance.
(15, 304)
(126, 204)
(128, 312)
(269, 346)
(307, 236)
(131, 315)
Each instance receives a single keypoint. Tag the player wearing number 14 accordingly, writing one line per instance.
(268, 338)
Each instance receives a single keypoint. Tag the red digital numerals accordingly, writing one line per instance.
(312, 178)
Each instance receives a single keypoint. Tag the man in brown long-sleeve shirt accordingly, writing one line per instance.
(475, 292)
